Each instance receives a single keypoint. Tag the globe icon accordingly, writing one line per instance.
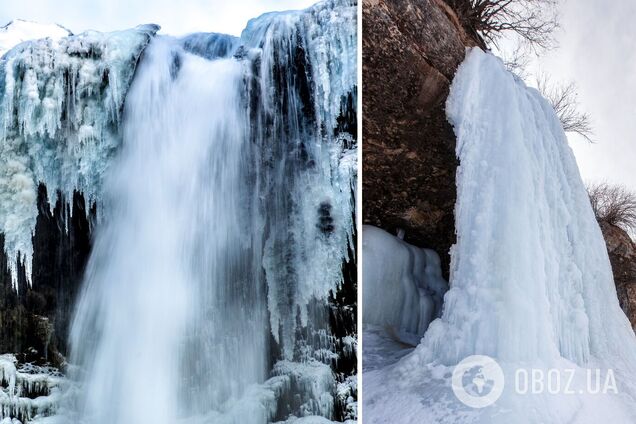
(476, 383)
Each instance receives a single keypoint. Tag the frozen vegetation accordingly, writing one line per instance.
(224, 180)
(531, 283)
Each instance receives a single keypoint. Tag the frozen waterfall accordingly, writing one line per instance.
(531, 282)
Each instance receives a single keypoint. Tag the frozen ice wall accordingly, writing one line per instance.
(531, 282)
(307, 69)
(531, 277)
(60, 106)
(403, 285)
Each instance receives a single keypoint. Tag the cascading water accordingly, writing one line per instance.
(172, 296)
(225, 217)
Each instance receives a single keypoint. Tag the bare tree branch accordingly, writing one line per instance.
(534, 21)
(614, 204)
(564, 100)
(516, 62)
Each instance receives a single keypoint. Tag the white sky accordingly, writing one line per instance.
(598, 52)
(176, 17)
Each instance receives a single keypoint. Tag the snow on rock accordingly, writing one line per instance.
(531, 283)
(403, 285)
(310, 384)
(28, 392)
(19, 31)
(60, 105)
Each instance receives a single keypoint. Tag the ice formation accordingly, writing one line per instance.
(403, 285)
(309, 191)
(531, 282)
(29, 392)
(60, 103)
(229, 213)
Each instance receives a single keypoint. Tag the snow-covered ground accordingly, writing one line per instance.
(18, 31)
(531, 283)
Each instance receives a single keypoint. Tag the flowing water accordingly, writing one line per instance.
(228, 215)
(172, 298)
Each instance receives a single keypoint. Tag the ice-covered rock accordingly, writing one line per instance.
(28, 392)
(307, 69)
(60, 107)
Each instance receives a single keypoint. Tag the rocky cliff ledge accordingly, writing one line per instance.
(411, 49)
(622, 254)
(35, 318)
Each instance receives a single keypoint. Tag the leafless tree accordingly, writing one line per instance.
(564, 100)
(533, 21)
(516, 62)
(614, 204)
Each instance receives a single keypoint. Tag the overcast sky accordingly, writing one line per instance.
(598, 52)
(176, 17)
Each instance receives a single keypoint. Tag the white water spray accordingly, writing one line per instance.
(170, 302)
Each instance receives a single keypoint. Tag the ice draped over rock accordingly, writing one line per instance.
(307, 62)
(60, 108)
(403, 285)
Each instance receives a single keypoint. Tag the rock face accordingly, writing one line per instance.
(622, 254)
(410, 51)
(35, 318)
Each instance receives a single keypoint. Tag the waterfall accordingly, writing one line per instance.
(229, 215)
(172, 299)
(220, 174)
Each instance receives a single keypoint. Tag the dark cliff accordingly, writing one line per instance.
(622, 254)
(410, 51)
(35, 318)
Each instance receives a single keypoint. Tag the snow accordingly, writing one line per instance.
(60, 104)
(403, 285)
(19, 31)
(531, 283)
